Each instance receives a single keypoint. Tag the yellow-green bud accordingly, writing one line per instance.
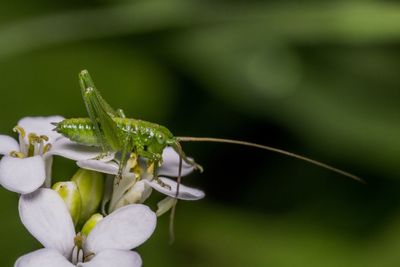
(91, 187)
(91, 223)
(70, 194)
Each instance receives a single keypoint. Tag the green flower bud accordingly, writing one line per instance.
(91, 223)
(91, 187)
(70, 194)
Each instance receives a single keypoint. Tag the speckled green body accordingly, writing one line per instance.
(146, 138)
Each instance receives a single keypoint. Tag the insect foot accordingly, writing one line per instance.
(164, 185)
(104, 155)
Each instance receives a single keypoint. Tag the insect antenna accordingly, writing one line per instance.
(178, 181)
(273, 149)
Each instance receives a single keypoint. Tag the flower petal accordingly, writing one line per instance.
(65, 148)
(8, 144)
(169, 189)
(22, 175)
(120, 258)
(40, 126)
(125, 228)
(109, 167)
(46, 217)
(170, 166)
(43, 258)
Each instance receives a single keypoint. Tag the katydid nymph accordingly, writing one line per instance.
(112, 131)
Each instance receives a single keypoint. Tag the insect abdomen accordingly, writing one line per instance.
(79, 130)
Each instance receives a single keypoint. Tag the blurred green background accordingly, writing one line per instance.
(320, 78)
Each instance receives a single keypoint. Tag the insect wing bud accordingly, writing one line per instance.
(91, 188)
(70, 194)
(91, 223)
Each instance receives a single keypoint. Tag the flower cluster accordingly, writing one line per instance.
(88, 220)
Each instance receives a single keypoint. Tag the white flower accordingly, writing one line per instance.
(26, 164)
(46, 217)
(134, 188)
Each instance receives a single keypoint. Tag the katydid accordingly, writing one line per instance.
(113, 132)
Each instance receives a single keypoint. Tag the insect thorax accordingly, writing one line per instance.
(145, 135)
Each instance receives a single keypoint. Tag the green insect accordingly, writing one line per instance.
(113, 132)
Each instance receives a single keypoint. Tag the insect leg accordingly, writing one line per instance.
(126, 149)
(85, 80)
(153, 157)
(101, 114)
(95, 123)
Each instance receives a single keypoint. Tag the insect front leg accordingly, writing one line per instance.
(153, 158)
(143, 151)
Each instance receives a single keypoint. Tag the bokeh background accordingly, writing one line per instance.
(320, 78)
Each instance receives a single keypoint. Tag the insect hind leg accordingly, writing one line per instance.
(90, 92)
(101, 114)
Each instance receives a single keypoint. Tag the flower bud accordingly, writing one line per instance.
(91, 188)
(91, 223)
(70, 194)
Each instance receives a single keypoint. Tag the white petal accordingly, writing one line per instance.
(119, 258)
(169, 189)
(46, 217)
(170, 166)
(40, 126)
(8, 144)
(109, 167)
(22, 175)
(125, 228)
(65, 148)
(43, 258)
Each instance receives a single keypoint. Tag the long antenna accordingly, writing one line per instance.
(269, 148)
